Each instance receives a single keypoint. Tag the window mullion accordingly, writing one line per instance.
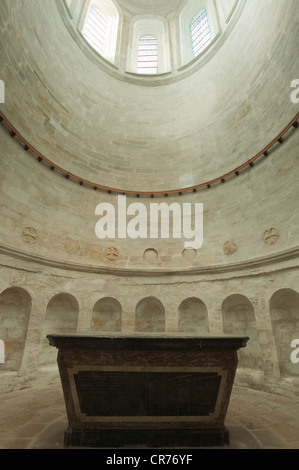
(147, 61)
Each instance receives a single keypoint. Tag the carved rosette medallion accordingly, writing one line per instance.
(271, 236)
(29, 235)
(112, 254)
(230, 247)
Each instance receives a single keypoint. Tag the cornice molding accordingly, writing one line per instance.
(236, 267)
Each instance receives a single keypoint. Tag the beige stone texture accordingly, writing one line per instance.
(133, 133)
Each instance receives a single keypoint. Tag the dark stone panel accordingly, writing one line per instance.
(147, 342)
(147, 393)
(118, 438)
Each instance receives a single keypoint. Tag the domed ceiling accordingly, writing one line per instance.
(158, 137)
(151, 7)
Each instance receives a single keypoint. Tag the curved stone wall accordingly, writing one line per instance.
(56, 274)
(260, 304)
(107, 130)
(252, 218)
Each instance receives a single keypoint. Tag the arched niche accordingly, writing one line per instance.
(15, 308)
(150, 315)
(239, 319)
(284, 313)
(107, 315)
(61, 317)
(193, 316)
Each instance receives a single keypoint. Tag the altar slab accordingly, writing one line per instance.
(153, 390)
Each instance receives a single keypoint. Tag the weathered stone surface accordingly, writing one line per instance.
(169, 135)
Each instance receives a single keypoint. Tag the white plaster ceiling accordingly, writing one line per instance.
(151, 7)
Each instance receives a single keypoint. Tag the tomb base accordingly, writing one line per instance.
(151, 391)
(149, 438)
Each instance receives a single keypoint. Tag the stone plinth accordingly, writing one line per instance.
(156, 391)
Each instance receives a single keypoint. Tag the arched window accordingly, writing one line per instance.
(148, 54)
(95, 29)
(200, 32)
(100, 27)
(198, 27)
(148, 46)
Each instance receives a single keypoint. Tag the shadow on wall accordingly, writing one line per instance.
(193, 316)
(238, 317)
(15, 308)
(150, 315)
(107, 315)
(61, 317)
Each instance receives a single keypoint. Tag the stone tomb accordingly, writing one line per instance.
(153, 391)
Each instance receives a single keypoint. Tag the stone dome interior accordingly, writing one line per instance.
(155, 7)
(78, 130)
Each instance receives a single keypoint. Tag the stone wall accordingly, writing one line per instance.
(249, 218)
(56, 275)
(109, 130)
(261, 303)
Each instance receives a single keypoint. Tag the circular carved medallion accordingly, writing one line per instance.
(230, 247)
(150, 255)
(29, 235)
(189, 254)
(271, 236)
(112, 253)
